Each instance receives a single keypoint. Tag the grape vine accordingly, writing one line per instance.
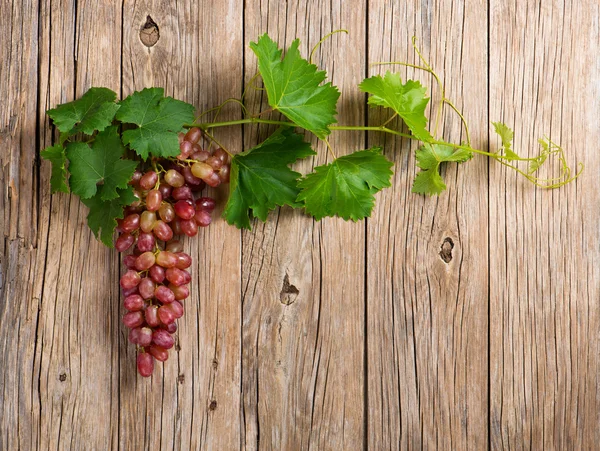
(140, 165)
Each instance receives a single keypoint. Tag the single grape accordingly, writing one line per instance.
(146, 288)
(124, 242)
(221, 154)
(153, 200)
(171, 328)
(189, 226)
(193, 135)
(135, 178)
(166, 259)
(164, 295)
(145, 261)
(145, 336)
(131, 223)
(166, 212)
(190, 178)
(176, 308)
(185, 150)
(202, 218)
(158, 353)
(129, 261)
(174, 178)
(133, 319)
(151, 315)
(176, 226)
(145, 364)
(183, 260)
(134, 336)
(215, 162)
(148, 180)
(224, 173)
(166, 315)
(130, 279)
(205, 203)
(182, 193)
(145, 242)
(162, 231)
(157, 273)
(202, 170)
(163, 339)
(183, 209)
(129, 291)
(133, 302)
(213, 180)
(181, 292)
(200, 155)
(165, 189)
(148, 221)
(176, 276)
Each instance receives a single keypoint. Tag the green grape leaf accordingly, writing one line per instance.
(346, 187)
(103, 215)
(102, 163)
(261, 179)
(294, 86)
(537, 163)
(429, 157)
(506, 135)
(407, 100)
(158, 121)
(95, 110)
(56, 155)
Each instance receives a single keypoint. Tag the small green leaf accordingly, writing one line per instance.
(294, 86)
(346, 187)
(158, 118)
(102, 163)
(534, 165)
(407, 100)
(429, 157)
(103, 215)
(56, 156)
(95, 110)
(261, 179)
(506, 135)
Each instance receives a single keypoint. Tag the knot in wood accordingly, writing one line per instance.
(446, 250)
(149, 33)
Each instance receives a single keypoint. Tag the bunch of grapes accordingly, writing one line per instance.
(157, 277)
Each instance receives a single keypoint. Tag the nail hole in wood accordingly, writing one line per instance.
(62, 377)
(213, 405)
(149, 33)
(446, 250)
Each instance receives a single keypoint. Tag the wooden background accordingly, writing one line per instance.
(303, 334)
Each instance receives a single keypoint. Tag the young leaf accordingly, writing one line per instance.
(534, 165)
(294, 86)
(158, 118)
(346, 187)
(103, 215)
(407, 100)
(58, 179)
(429, 157)
(100, 164)
(506, 135)
(261, 179)
(95, 110)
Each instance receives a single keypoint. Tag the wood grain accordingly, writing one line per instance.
(427, 317)
(544, 283)
(469, 320)
(303, 281)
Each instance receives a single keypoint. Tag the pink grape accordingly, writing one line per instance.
(165, 190)
(166, 259)
(175, 246)
(202, 218)
(166, 315)
(129, 261)
(124, 242)
(182, 193)
(148, 180)
(183, 209)
(135, 178)
(201, 155)
(129, 291)
(151, 316)
(164, 295)
(202, 170)
(145, 261)
(163, 339)
(157, 273)
(158, 353)
(153, 200)
(176, 308)
(221, 154)
(174, 178)
(146, 288)
(205, 203)
(162, 231)
(176, 276)
(193, 135)
(133, 303)
(213, 180)
(183, 260)
(171, 328)
(166, 212)
(181, 292)
(215, 162)
(133, 319)
(130, 279)
(148, 221)
(190, 178)
(145, 242)
(189, 226)
(145, 364)
(131, 223)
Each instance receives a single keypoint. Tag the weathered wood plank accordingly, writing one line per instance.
(545, 282)
(196, 402)
(426, 317)
(303, 282)
(23, 215)
(77, 339)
